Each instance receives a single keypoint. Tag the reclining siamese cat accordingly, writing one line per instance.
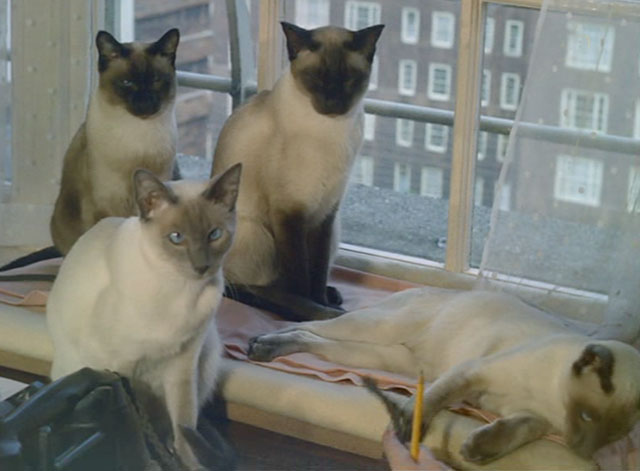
(130, 124)
(138, 295)
(492, 350)
(297, 144)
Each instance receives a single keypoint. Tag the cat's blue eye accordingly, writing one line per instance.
(126, 83)
(215, 234)
(176, 238)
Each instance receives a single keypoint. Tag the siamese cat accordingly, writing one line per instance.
(297, 144)
(138, 295)
(130, 124)
(492, 350)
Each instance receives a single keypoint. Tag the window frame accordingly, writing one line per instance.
(561, 193)
(401, 140)
(431, 93)
(424, 188)
(436, 17)
(572, 57)
(506, 48)
(428, 133)
(568, 109)
(398, 185)
(413, 77)
(405, 37)
(351, 22)
(505, 102)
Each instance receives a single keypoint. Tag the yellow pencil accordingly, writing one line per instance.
(416, 425)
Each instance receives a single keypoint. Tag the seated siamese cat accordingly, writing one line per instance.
(297, 144)
(138, 295)
(492, 350)
(130, 124)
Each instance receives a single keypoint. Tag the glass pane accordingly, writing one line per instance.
(509, 29)
(397, 200)
(5, 99)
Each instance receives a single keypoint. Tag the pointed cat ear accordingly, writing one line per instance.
(365, 40)
(297, 39)
(224, 188)
(167, 45)
(108, 48)
(151, 194)
(598, 359)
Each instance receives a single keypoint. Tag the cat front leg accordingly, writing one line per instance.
(290, 230)
(501, 437)
(321, 244)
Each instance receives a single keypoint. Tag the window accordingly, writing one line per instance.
(485, 91)
(483, 139)
(504, 196)
(636, 121)
(363, 171)
(369, 127)
(509, 91)
(633, 190)
(578, 180)
(513, 32)
(402, 178)
(590, 46)
(581, 109)
(431, 182)
(436, 137)
(407, 77)
(439, 88)
(404, 132)
(358, 15)
(478, 191)
(312, 13)
(373, 77)
(501, 151)
(442, 29)
(489, 32)
(410, 25)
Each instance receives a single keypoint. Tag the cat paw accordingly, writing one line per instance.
(261, 349)
(334, 298)
(483, 445)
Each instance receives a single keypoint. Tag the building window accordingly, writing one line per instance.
(633, 191)
(478, 191)
(489, 32)
(436, 137)
(578, 180)
(369, 127)
(410, 25)
(636, 122)
(483, 140)
(404, 132)
(504, 196)
(485, 91)
(312, 13)
(363, 170)
(513, 33)
(373, 76)
(501, 151)
(509, 91)
(581, 109)
(358, 15)
(442, 29)
(402, 178)
(431, 182)
(407, 77)
(590, 46)
(439, 88)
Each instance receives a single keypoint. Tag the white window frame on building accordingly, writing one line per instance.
(369, 127)
(434, 94)
(312, 13)
(570, 107)
(636, 121)
(407, 77)
(443, 29)
(363, 170)
(370, 12)
(404, 132)
(485, 90)
(436, 137)
(581, 188)
(501, 147)
(590, 46)
(373, 76)
(402, 177)
(502, 196)
(478, 190)
(489, 34)
(633, 190)
(410, 32)
(431, 181)
(483, 142)
(513, 40)
(509, 91)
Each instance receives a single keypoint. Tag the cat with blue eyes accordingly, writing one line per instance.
(130, 124)
(138, 295)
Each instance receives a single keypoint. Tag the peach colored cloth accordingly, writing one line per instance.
(238, 323)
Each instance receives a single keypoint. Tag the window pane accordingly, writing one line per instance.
(5, 99)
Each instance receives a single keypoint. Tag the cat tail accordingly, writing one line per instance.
(210, 448)
(39, 255)
(395, 406)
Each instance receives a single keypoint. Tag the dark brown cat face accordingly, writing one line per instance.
(139, 76)
(332, 64)
(192, 226)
